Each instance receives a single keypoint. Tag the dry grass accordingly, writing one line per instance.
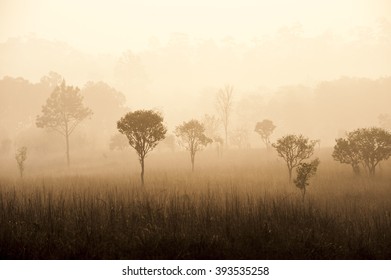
(237, 208)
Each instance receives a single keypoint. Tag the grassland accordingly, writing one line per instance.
(238, 207)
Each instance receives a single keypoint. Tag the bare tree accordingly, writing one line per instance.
(212, 125)
(63, 112)
(144, 129)
(224, 107)
(193, 138)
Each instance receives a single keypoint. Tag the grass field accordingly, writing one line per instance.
(238, 207)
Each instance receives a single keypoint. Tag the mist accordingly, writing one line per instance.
(319, 73)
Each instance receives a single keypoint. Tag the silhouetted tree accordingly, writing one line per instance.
(144, 129)
(294, 149)
(224, 107)
(265, 130)
(63, 112)
(192, 137)
(21, 156)
(347, 151)
(304, 172)
(367, 145)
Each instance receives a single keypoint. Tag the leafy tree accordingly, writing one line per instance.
(193, 138)
(368, 146)
(21, 156)
(63, 112)
(265, 130)
(294, 149)
(304, 172)
(224, 107)
(347, 151)
(144, 129)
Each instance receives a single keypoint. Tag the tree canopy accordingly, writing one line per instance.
(192, 137)
(144, 129)
(294, 149)
(265, 130)
(368, 146)
(63, 112)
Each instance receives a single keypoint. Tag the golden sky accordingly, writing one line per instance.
(112, 26)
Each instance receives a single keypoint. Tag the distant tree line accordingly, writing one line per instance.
(363, 149)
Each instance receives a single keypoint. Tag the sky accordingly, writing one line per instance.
(112, 26)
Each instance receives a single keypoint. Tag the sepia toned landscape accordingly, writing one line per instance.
(203, 130)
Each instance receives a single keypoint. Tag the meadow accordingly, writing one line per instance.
(240, 206)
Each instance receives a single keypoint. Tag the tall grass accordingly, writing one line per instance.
(225, 212)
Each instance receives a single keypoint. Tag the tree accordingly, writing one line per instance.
(212, 124)
(52, 80)
(374, 145)
(368, 146)
(63, 112)
(346, 151)
(224, 107)
(144, 129)
(304, 172)
(294, 149)
(265, 130)
(21, 156)
(192, 137)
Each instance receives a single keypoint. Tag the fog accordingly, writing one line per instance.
(319, 69)
(195, 130)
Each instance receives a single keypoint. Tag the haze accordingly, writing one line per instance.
(195, 130)
(175, 56)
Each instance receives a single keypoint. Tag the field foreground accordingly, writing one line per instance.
(193, 216)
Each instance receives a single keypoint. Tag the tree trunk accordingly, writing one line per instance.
(226, 136)
(67, 141)
(356, 169)
(290, 174)
(142, 171)
(192, 162)
(21, 171)
(372, 170)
